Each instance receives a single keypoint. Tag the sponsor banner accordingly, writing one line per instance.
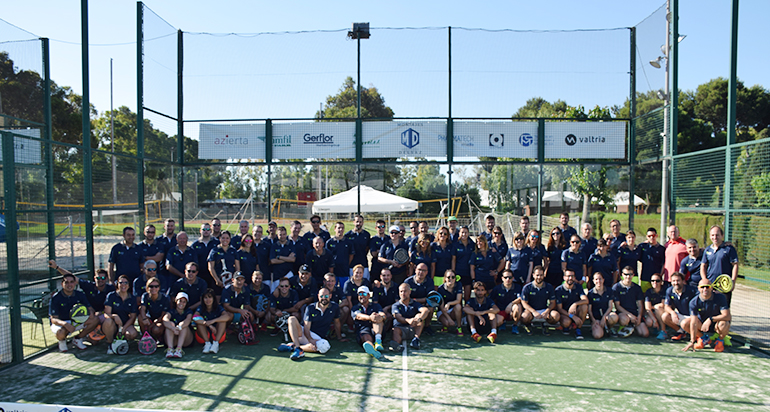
(25, 150)
(404, 138)
(31, 407)
(231, 141)
(585, 140)
(317, 140)
(495, 139)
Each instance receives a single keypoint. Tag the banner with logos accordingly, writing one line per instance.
(317, 140)
(404, 138)
(25, 151)
(585, 140)
(495, 139)
(231, 141)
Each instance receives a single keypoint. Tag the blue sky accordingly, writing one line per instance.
(478, 92)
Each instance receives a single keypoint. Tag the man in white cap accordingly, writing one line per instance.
(369, 322)
(454, 231)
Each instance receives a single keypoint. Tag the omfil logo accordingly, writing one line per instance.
(410, 138)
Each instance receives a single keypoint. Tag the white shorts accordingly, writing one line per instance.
(542, 312)
(303, 340)
(366, 273)
(56, 328)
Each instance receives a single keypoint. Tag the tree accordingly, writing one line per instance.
(344, 104)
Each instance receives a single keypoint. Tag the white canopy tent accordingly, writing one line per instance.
(372, 201)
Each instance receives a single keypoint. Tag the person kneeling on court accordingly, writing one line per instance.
(60, 312)
(237, 300)
(572, 304)
(120, 313)
(369, 319)
(211, 322)
(709, 313)
(177, 322)
(538, 299)
(408, 319)
(318, 319)
(628, 298)
(481, 313)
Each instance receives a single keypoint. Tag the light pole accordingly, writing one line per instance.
(360, 31)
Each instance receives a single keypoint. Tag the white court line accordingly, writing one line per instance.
(405, 381)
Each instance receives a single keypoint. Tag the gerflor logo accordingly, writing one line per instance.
(319, 139)
(410, 138)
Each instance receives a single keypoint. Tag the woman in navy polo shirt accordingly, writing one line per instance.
(153, 306)
(119, 313)
(484, 263)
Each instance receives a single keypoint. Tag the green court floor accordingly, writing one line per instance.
(534, 373)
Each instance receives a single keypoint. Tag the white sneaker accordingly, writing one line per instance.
(79, 344)
(207, 347)
(215, 347)
(109, 350)
(169, 353)
(178, 353)
(63, 346)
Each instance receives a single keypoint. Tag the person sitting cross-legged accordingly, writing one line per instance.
(481, 313)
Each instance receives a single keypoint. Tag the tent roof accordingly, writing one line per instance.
(371, 201)
(553, 196)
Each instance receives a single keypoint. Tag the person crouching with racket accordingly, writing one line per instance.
(119, 314)
(369, 320)
(66, 311)
(211, 322)
(177, 323)
(709, 313)
(153, 307)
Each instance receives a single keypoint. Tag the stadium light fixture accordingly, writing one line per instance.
(656, 63)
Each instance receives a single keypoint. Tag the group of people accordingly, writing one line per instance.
(354, 282)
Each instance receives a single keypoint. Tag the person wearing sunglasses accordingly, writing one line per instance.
(603, 262)
(422, 253)
(388, 251)
(149, 271)
(216, 228)
(555, 246)
(120, 312)
(485, 263)
(375, 243)
(223, 262)
(441, 250)
(572, 304)
(677, 306)
(462, 250)
(152, 249)
(507, 298)
(177, 257)
(574, 259)
(498, 242)
(316, 230)
(519, 260)
(369, 323)
(203, 247)
(318, 320)
(284, 300)
(152, 308)
(191, 284)
(629, 298)
(653, 306)
(653, 256)
(539, 253)
(709, 314)
(126, 258)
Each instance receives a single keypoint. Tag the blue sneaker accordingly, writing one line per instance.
(415, 343)
(515, 329)
(297, 354)
(501, 327)
(578, 334)
(369, 348)
(662, 335)
(285, 347)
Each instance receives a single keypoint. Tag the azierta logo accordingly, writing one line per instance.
(410, 138)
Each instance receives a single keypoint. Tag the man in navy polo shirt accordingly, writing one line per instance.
(677, 305)
(191, 284)
(690, 265)
(567, 231)
(319, 259)
(168, 237)
(282, 258)
(236, 299)
(369, 321)
(59, 310)
(538, 299)
(95, 291)
(311, 337)
(284, 300)
(652, 256)
(572, 304)
(490, 223)
(709, 313)
(481, 312)
(126, 257)
(629, 302)
(202, 247)
(408, 319)
(262, 245)
(177, 258)
(375, 243)
(301, 246)
(616, 238)
(342, 250)
(243, 230)
(315, 224)
(359, 240)
(506, 298)
(305, 286)
(719, 258)
(152, 249)
(385, 292)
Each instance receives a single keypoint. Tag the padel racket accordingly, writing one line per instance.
(723, 283)
(400, 256)
(260, 303)
(147, 344)
(246, 334)
(78, 314)
(226, 276)
(197, 318)
(120, 345)
(434, 299)
(626, 331)
(96, 335)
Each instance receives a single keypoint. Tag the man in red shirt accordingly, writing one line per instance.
(676, 250)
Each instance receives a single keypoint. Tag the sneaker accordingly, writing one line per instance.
(719, 346)
(109, 350)
(476, 337)
(178, 353)
(662, 335)
(501, 327)
(415, 343)
(701, 343)
(215, 347)
(679, 336)
(527, 330)
(79, 344)
(378, 346)
(578, 334)
(63, 346)
(460, 332)
(515, 330)
(285, 347)
(444, 329)
(297, 354)
(207, 347)
(169, 352)
(395, 346)
(728, 341)
(545, 331)
(369, 348)
(492, 337)
(564, 331)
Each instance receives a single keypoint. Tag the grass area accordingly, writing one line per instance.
(534, 373)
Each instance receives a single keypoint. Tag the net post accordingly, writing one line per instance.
(632, 131)
(732, 98)
(11, 238)
(180, 124)
(88, 198)
(48, 148)
(269, 160)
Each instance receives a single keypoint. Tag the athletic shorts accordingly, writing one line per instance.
(466, 280)
(407, 333)
(366, 330)
(505, 315)
(56, 328)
